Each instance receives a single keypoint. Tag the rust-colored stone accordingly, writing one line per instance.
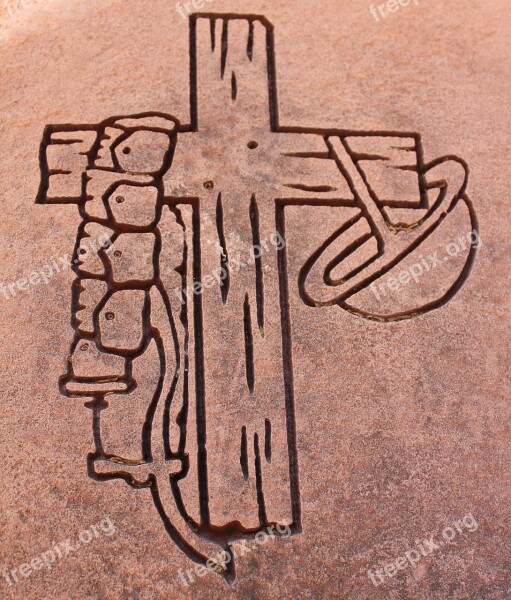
(257, 346)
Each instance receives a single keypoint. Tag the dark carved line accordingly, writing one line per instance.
(193, 77)
(244, 453)
(287, 366)
(212, 26)
(250, 41)
(65, 142)
(267, 440)
(249, 345)
(168, 400)
(310, 188)
(224, 258)
(357, 156)
(234, 87)
(263, 519)
(272, 77)
(147, 453)
(413, 168)
(401, 204)
(182, 418)
(198, 323)
(59, 172)
(337, 202)
(318, 155)
(256, 242)
(97, 405)
(225, 46)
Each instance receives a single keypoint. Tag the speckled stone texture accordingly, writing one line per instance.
(398, 433)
